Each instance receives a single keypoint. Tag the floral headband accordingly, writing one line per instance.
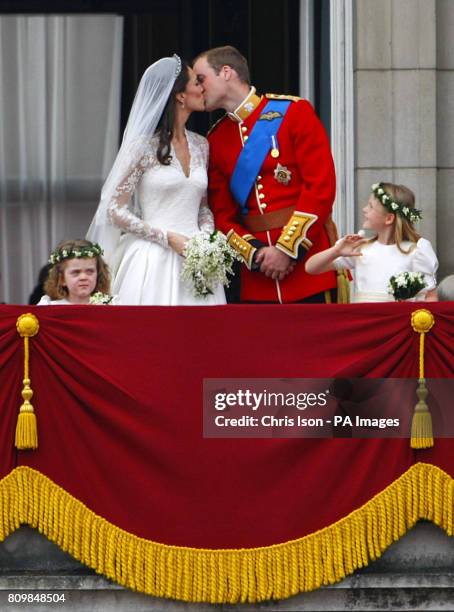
(93, 250)
(412, 214)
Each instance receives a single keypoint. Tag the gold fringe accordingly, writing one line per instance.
(231, 575)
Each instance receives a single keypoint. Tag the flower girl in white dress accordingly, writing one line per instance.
(390, 213)
(78, 275)
(154, 198)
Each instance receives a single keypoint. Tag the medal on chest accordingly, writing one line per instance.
(274, 151)
(282, 174)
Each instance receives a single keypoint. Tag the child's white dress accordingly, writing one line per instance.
(378, 262)
(47, 301)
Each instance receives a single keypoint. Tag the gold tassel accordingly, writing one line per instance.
(26, 430)
(343, 282)
(422, 321)
(421, 425)
(343, 287)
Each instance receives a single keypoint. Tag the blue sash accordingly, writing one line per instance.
(255, 150)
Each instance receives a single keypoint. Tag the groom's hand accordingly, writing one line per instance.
(274, 263)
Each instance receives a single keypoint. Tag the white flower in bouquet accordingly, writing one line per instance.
(100, 298)
(208, 261)
(406, 285)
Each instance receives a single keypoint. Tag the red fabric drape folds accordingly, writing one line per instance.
(118, 399)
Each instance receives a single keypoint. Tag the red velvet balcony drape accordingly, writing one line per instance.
(118, 399)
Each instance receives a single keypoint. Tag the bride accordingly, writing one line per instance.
(154, 198)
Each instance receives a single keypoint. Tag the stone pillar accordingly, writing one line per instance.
(445, 135)
(396, 103)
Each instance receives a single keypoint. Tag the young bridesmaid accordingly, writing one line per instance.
(78, 275)
(397, 247)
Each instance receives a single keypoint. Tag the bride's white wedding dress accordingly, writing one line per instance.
(146, 271)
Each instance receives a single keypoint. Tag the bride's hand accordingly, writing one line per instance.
(177, 242)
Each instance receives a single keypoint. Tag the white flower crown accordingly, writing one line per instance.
(83, 251)
(412, 214)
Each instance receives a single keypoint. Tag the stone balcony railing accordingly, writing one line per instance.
(415, 573)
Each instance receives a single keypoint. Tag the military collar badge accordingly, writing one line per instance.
(247, 106)
(282, 174)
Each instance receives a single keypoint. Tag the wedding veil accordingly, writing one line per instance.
(149, 103)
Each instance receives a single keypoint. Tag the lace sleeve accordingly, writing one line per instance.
(206, 219)
(118, 207)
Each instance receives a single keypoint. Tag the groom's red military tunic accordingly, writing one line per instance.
(289, 203)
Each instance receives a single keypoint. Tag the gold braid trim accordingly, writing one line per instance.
(251, 575)
(242, 246)
(294, 233)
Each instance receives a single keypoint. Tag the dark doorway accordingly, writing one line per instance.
(266, 33)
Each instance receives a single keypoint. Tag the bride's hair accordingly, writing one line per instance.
(165, 125)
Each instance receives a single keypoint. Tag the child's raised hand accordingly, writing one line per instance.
(350, 245)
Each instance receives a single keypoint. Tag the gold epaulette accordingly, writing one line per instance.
(242, 246)
(294, 234)
(216, 123)
(273, 96)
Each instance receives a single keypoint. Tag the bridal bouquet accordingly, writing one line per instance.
(208, 261)
(405, 285)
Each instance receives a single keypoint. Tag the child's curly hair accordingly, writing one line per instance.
(54, 287)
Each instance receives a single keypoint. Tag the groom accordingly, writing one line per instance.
(271, 181)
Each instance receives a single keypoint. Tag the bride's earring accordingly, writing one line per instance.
(182, 103)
